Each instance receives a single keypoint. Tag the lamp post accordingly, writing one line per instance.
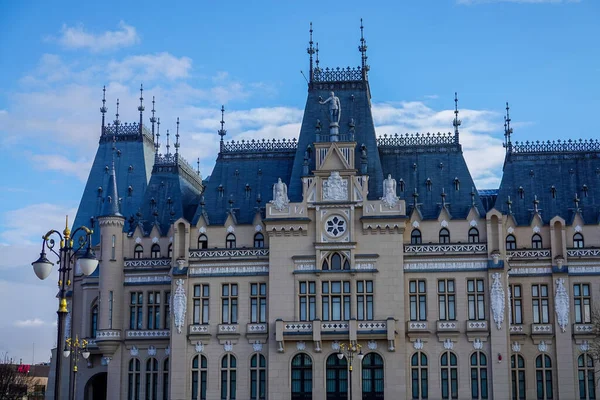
(75, 348)
(66, 253)
(349, 350)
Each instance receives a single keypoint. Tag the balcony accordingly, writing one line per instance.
(583, 252)
(229, 253)
(518, 330)
(583, 331)
(199, 332)
(477, 326)
(334, 327)
(107, 334)
(450, 248)
(528, 254)
(148, 334)
(352, 329)
(417, 329)
(155, 263)
(541, 331)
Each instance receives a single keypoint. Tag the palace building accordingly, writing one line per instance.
(247, 284)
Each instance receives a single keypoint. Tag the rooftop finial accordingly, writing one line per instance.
(141, 107)
(457, 121)
(310, 50)
(363, 51)
(177, 138)
(317, 54)
(168, 145)
(536, 203)
(576, 201)
(157, 145)
(116, 121)
(222, 132)
(198, 162)
(103, 108)
(114, 150)
(153, 118)
(509, 204)
(507, 130)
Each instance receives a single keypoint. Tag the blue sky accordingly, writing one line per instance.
(540, 55)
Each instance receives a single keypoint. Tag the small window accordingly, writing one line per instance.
(578, 241)
(170, 250)
(259, 240)
(415, 237)
(94, 322)
(511, 242)
(138, 251)
(336, 262)
(230, 241)
(473, 235)
(202, 242)
(536, 241)
(155, 251)
(444, 236)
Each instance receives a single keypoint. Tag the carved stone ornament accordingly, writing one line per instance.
(473, 223)
(510, 230)
(542, 346)
(258, 228)
(536, 229)
(257, 346)
(199, 347)
(372, 345)
(280, 197)
(448, 344)
(418, 344)
(561, 304)
(584, 346)
(335, 188)
(516, 347)
(105, 360)
(138, 240)
(318, 346)
(202, 229)
(301, 346)
(444, 223)
(390, 199)
(154, 239)
(179, 305)
(578, 229)
(168, 351)
(335, 345)
(134, 352)
(228, 346)
(415, 224)
(151, 351)
(477, 344)
(230, 229)
(497, 300)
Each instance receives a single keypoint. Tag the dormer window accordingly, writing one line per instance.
(444, 236)
(511, 242)
(170, 250)
(428, 184)
(553, 191)
(155, 251)
(415, 237)
(536, 241)
(578, 241)
(521, 192)
(456, 184)
(473, 235)
(230, 241)
(259, 240)
(402, 185)
(202, 242)
(138, 251)
(585, 189)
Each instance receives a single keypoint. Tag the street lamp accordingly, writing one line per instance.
(66, 253)
(348, 351)
(75, 348)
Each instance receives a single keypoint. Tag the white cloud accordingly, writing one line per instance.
(55, 162)
(474, 2)
(26, 225)
(143, 68)
(29, 323)
(76, 37)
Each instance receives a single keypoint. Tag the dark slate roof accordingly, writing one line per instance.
(540, 169)
(244, 173)
(173, 192)
(415, 159)
(488, 198)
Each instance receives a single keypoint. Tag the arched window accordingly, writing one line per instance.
(202, 242)
(230, 241)
(155, 251)
(301, 377)
(511, 242)
(228, 377)
(152, 379)
(517, 371)
(133, 391)
(113, 249)
(419, 376)
(199, 377)
(372, 377)
(337, 377)
(166, 379)
(473, 235)
(259, 240)
(449, 375)
(536, 241)
(578, 241)
(479, 380)
(444, 236)
(138, 251)
(585, 374)
(543, 377)
(415, 237)
(94, 321)
(170, 251)
(336, 262)
(258, 377)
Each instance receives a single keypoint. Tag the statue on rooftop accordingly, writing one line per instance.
(389, 198)
(334, 108)
(280, 198)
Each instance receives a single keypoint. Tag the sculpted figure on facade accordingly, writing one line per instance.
(497, 299)
(179, 305)
(389, 192)
(335, 188)
(280, 198)
(334, 108)
(561, 304)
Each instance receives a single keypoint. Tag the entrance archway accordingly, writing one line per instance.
(95, 388)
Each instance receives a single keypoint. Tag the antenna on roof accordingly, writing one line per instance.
(457, 121)
(141, 107)
(153, 118)
(310, 50)
(103, 108)
(177, 138)
(363, 51)
(507, 130)
(317, 60)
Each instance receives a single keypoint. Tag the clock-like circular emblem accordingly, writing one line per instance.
(335, 226)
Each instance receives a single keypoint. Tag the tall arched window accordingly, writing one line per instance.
(94, 321)
(337, 377)
(113, 249)
(138, 251)
(228, 377)
(336, 262)
(152, 379)
(473, 235)
(166, 379)
(259, 240)
(543, 377)
(536, 241)
(372, 377)
(301, 377)
(449, 375)
(133, 390)
(511, 242)
(170, 251)
(230, 241)
(444, 236)
(415, 237)
(517, 372)
(578, 241)
(155, 251)
(202, 242)
(585, 374)
(199, 377)
(479, 380)
(419, 376)
(258, 377)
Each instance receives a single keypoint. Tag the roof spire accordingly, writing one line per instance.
(457, 121)
(317, 60)
(103, 108)
(116, 121)
(507, 130)
(363, 51)
(168, 145)
(177, 138)
(222, 132)
(141, 107)
(310, 50)
(153, 118)
(157, 144)
(198, 163)
(111, 201)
